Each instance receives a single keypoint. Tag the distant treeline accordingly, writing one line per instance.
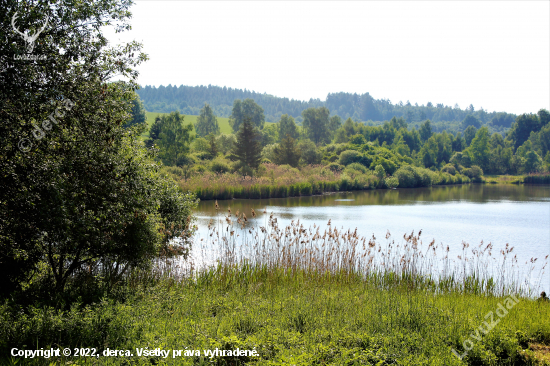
(190, 99)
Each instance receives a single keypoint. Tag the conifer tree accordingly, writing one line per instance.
(248, 149)
(287, 152)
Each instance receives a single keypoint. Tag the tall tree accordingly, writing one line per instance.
(287, 126)
(174, 139)
(479, 148)
(287, 152)
(470, 120)
(86, 201)
(522, 128)
(207, 123)
(248, 149)
(469, 134)
(137, 113)
(425, 130)
(334, 124)
(315, 123)
(246, 109)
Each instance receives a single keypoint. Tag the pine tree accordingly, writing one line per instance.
(248, 149)
(287, 152)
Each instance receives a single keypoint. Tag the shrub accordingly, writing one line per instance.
(357, 139)
(335, 167)
(392, 182)
(349, 156)
(449, 168)
(219, 166)
(199, 168)
(474, 173)
(409, 176)
(358, 166)
(389, 166)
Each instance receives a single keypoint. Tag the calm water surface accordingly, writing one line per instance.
(499, 214)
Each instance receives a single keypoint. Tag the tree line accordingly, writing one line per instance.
(328, 140)
(360, 107)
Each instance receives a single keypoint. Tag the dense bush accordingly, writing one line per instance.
(449, 168)
(349, 156)
(410, 176)
(219, 166)
(474, 172)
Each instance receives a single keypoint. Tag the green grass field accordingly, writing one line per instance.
(225, 128)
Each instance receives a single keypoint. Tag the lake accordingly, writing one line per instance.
(518, 215)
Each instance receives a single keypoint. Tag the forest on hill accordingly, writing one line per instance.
(360, 107)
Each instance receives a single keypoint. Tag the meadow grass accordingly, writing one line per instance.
(305, 296)
(223, 122)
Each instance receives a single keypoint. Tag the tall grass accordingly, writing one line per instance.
(280, 181)
(541, 178)
(238, 241)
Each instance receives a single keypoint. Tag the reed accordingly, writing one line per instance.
(280, 181)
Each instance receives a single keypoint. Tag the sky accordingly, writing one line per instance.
(492, 54)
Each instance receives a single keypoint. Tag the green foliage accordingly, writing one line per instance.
(334, 124)
(226, 143)
(470, 121)
(287, 152)
(429, 152)
(449, 168)
(309, 152)
(316, 121)
(174, 139)
(248, 149)
(287, 126)
(475, 172)
(87, 204)
(335, 167)
(212, 147)
(425, 130)
(409, 176)
(247, 109)
(357, 139)
(392, 182)
(359, 167)
(349, 156)
(190, 99)
(137, 113)
(523, 126)
(469, 134)
(479, 148)
(207, 123)
(219, 166)
(270, 134)
(380, 172)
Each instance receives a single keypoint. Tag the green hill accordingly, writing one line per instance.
(223, 122)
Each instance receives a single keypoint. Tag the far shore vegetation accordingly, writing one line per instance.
(324, 154)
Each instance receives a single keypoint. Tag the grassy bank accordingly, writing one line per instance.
(280, 181)
(537, 178)
(305, 296)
